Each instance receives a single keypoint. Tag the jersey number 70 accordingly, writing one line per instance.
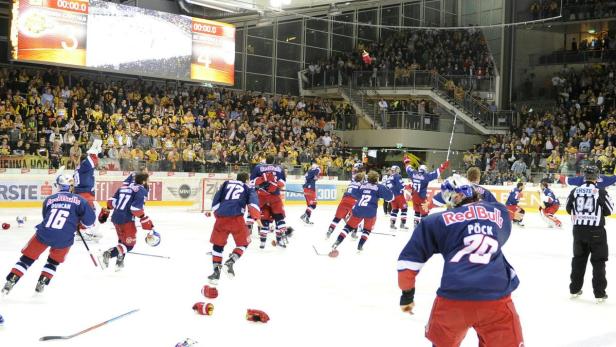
(479, 248)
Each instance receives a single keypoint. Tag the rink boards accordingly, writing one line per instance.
(28, 188)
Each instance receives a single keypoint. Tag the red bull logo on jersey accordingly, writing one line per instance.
(473, 213)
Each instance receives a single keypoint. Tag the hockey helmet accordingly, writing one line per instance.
(358, 166)
(591, 173)
(422, 168)
(152, 238)
(455, 185)
(545, 182)
(395, 169)
(64, 183)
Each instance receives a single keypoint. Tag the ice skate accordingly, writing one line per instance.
(306, 219)
(41, 284)
(354, 234)
(262, 245)
(330, 231)
(520, 223)
(215, 276)
(334, 252)
(1, 321)
(229, 265)
(602, 299)
(392, 226)
(103, 259)
(360, 248)
(280, 242)
(120, 262)
(10, 283)
(403, 227)
(576, 295)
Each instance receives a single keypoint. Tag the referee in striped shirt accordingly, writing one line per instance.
(588, 206)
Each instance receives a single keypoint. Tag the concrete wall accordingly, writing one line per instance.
(408, 138)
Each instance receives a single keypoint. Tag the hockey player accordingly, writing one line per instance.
(130, 179)
(268, 179)
(420, 179)
(85, 183)
(229, 205)
(588, 206)
(549, 205)
(63, 212)
(516, 213)
(477, 280)
(603, 181)
(127, 203)
(310, 191)
(346, 204)
(394, 183)
(384, 180)
(1, 320)
(367, 197)
(473, 175)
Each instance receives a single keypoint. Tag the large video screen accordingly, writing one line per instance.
(106, 36)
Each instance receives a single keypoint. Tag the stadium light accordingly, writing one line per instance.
(226, 4)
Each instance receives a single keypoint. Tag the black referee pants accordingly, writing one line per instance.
(593, 243)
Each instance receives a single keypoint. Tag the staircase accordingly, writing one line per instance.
(357, 98)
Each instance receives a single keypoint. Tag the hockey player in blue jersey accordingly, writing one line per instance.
(603, 181)
(347, 202)
(477, 280)
(85, 184)
(310, 191)
(516, 213)
(549, 205)
(367, 197)
(229, 205)
(127, 203)
(420, 179)
(130, 179)
(63, 213)
(473, 175)
(394, 183)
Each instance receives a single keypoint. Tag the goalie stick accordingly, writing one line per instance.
(49, 338)
(317, 251)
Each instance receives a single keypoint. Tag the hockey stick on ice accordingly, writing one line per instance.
(317, 252)
(453, 129)
(385, 234)
(48, 338)
(150, 255)
(88, 248)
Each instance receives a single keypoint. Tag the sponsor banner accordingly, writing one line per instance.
(27, 190)
(106, 189)
(51, 31)
(325, 192)
(31, 162)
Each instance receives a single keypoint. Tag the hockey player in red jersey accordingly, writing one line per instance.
(477, 280)
(420, 179)
(127, 203)
(229, 205)
(346, 204)
(63, 212)
(268, 179)
(367, 197)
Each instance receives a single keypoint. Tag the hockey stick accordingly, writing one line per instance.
(453, 129)
(385, 234)
(317, 252)
(284, 190)
(88, 248)
(150, 255)
(48, 338)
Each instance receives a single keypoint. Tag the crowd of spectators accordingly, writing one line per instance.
(169, 127)
(447, 52)
(579, 130)
(572, 9)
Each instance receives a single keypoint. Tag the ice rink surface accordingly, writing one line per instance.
(312, 300)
